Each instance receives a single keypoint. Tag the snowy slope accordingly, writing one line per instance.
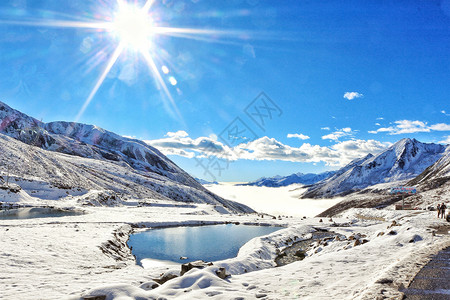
(297, 178)
(89, 141)
(436, 174)
(78, 156)
(404, 160)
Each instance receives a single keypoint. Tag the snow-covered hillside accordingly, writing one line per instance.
(404, 160)
(297, 178)
(435, 175)
(78, 156)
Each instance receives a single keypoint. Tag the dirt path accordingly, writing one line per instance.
(433, 280)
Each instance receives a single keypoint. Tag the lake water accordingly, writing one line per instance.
(35, 212)
(208, 243)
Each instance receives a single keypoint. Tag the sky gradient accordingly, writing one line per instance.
(340, 79)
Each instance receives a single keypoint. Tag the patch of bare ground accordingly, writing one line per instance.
(361, 201)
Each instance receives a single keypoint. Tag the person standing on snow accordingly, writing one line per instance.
(439, 210)
(443, 207)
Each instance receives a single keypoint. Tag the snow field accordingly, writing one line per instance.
(340, 270)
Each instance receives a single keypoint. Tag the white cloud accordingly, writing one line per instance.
(445, 113)
(335, 136)
(440, 127)
(266, 148)
(179, 143)
(446, 140)
(377, 124)
(408, 126)
(325, 128)
(352, 95)
(380, 118)
(340, 154)
(179, 133)
(352, 149)
(298, 136)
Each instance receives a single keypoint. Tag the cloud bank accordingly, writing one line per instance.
(265, 148)
(408, 126)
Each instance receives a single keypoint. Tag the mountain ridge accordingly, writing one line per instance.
(296, 178)
(95, 158)
(404, 160)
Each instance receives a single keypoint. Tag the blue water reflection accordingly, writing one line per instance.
(35, 212)
(209, 243)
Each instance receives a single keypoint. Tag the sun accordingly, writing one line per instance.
(133, 27)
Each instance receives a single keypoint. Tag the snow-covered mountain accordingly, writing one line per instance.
(435, 175)
(300, 178)
(76, 155)
(203, 181)
(404, 160)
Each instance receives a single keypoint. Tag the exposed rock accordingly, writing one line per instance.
(100, 297)
(166, 277)
(385, 281)
(116, 247)
(415, 238)
(394, 223)
(222, 273)
(300, 253)
(149, 285)
(260, 295)
(199, 264)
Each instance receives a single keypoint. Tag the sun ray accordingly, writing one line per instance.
(202, 38)
(108, 67)
(195, 31)
(58, 24)
(133, 28)
(160, 80)
(148, 5)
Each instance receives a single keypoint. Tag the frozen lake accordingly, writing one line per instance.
(208, 243)
(35, 212)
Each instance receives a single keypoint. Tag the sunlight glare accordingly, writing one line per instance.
(133, 26)
(172, 80)
(165, 69)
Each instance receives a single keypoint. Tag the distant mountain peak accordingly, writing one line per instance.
(405, 159)
(296, 178)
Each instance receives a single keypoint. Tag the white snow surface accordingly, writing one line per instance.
(60, 258)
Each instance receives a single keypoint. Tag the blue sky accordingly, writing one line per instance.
(344, 78)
